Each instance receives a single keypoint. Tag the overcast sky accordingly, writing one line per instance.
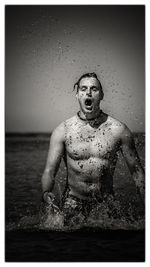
(48, 48)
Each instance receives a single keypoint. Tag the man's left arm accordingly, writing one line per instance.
(133, 161)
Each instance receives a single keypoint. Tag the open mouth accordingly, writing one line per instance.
(88, 102)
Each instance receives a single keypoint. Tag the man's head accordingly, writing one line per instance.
(89, 93)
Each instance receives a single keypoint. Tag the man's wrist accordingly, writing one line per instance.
(50, 195)
(43, 194)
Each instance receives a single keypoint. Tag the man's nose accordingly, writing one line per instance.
(89, 91)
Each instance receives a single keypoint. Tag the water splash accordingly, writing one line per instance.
(109, 214)
(50, 218)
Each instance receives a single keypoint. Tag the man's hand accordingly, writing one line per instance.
(49, 199)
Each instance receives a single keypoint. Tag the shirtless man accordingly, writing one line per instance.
(89, 142)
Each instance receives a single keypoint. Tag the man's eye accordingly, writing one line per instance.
(94, 89)
(83, 88)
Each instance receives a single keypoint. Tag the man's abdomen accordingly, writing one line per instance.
(86, 178)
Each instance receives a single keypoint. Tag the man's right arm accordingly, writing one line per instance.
(56, 152)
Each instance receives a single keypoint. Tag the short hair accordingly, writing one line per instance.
(87, 75)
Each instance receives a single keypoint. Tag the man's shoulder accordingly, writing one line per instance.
(115, 122)
(60, 130)
(118, 127)
(71, 120)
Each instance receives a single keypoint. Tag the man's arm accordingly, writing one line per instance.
(132, 159)
(56, 152)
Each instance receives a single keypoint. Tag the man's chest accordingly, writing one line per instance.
(85, 143)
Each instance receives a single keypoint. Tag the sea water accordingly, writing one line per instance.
(111, 227)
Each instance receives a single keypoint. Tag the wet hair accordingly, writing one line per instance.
(87, 75)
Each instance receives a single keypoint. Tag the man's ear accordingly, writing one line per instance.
(75, 88)
(101, 95)
(77, 95)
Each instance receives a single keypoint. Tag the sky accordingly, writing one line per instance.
(47, 48)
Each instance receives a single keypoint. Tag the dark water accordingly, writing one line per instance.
(102, 240)
(83, 245)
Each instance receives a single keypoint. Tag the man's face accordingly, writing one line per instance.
(89, 95)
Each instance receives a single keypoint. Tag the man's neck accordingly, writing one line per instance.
(89, 117)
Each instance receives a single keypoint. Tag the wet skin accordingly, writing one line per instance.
(90, 145)
(91, 150)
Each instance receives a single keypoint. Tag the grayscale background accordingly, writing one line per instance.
(49, 47)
